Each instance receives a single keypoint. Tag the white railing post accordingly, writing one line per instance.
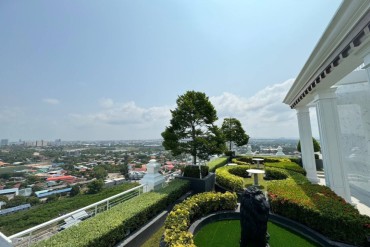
(125, 195)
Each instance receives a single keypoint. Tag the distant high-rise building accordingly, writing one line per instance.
(58, 142)
(4, 142)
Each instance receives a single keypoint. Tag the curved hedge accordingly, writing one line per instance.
(183, 214)
(318, 207)
(287, 165)
(230, 177)
(109, 228)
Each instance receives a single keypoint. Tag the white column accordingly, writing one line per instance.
(305, 136)
(365, 108)
(329, 128)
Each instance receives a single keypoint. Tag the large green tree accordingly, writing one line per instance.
(192, 128)
(234, 132)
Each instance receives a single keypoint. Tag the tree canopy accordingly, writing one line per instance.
(192, 128)
(316, 145)
(234, 132)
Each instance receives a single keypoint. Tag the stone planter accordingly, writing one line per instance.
(198, 185)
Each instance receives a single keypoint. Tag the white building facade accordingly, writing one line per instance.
(335, 81)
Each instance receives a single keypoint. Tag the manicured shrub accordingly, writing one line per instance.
(182, 215)
(216, 163)
(109, 227)
(239, 162)
(225, 177)
(193, 171)
(22, 220)
(298, 161)
(319, 208)
(291, 166)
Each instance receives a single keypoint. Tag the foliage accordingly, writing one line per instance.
(319, 208)
(114, 223)
(288, 166)
(183, 214)
(75, 190)
(216, 163)
(225, 177)
(52, 198)
(239, 162)
(100, 172)
(13, 223)
(233, 132)
(4, 199)
(192, 128)
(316, 145)
(95, 186)
(193, 171)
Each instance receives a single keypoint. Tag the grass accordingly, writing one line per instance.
(216, 163)
(262, 183)
(155, 239)
(227, 233)
(12, 169)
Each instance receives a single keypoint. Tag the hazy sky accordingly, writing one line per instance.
(99, 70)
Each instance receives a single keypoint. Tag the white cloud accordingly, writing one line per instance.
(106, 103)
(262, 115)
(51, 101)
(126, 114)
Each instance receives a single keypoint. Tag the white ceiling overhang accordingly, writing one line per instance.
(336, 54)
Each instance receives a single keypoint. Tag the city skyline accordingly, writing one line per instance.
(113, 71)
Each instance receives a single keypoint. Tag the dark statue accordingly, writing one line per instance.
(254, 214)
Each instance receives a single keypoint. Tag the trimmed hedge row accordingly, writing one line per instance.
(317, 207)
(239, 162)
(227, 178)
(182, 215)
(293, 196)
(193, 171)
(216, 163)
(109, 228)
(288, 166)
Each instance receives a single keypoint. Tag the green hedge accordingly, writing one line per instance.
(265, 159)
(240, 162)
(293, 196)
(227, 178)
(13, 223)
(193, 171)
(182, 215)
(216, 163)
(288, 166)
(317, 207)
(109, 228)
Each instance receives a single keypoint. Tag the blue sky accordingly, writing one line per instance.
(99, 70)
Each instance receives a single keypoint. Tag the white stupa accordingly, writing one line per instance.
(249, 150)
(280, 151)
(152, 178)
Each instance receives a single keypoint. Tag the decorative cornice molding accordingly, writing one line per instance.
(342, 45)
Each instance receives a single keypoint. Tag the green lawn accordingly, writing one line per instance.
(262, 183)
(227, 233)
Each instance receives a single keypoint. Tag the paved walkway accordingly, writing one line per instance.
(362, 208)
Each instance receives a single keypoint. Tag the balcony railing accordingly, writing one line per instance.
(48, 229)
